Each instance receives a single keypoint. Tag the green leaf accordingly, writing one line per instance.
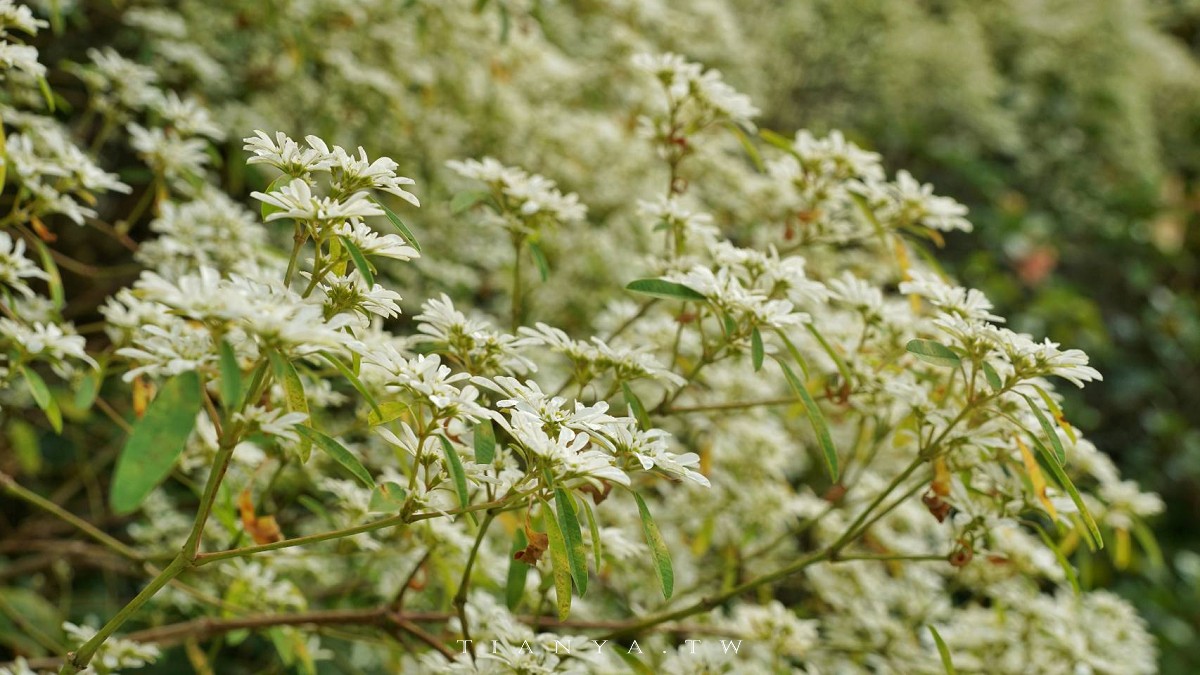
(1060, 453)
(293, 389)
(387, 498)
(231, 377)
(639, 410)
(388, 411)
(280, 181)
(464, 201)
(943, 650)
(156, 442)
(54, 282)
(485, 442)
(89, 388)
(817, 419)
(993, 378)
(1058, 555)
(594, 528)
(838, 361)
(47, 93)
(661, 288)
(454, 463)
(4, 156)
(23, 439)
(1057, 412)
(514, 584)
(748, 146)
(539, 260)
(361, 388)
(778, 140)
(756, 349)
(658, 549)
(338, 453)
(398, 224)
(933, 352)
(561, 566)
(568, 523)
(43, 398)
(795, 353)
(1064, 481)
(360, 261)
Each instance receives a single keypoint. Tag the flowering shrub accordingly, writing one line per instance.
(725, 421)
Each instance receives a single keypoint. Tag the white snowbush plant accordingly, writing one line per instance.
(788, 444)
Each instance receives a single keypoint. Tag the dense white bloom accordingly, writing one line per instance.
(14, 266)
(371, 243)
(296, 200)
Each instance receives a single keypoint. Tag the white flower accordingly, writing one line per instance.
(275, 422)
(14, 266)
(371, 243)
(285, 154)
(296, 200)
(358, 173)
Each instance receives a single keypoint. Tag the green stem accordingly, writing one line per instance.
(12, 487)
(460, 598)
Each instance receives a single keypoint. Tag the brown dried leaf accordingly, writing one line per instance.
(531, 554)
(263, 529)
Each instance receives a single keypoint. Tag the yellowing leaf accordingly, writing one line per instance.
(1036, 477)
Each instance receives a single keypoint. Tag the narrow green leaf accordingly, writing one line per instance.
(361, 388)
(514, 584)
(387, 498)
(43, 398)
(156, 442)
(658, 549)
(1148, 543)
(485, 442)
(54, 282)
(89, 388)
(933, 352)
(943, 650)
(47, 93)
(23, 439)
(360, 261)
(539, 260)
(231, 377)
(562, 567)
(568, 522)
(639, 410)
(795, 353)
(1060, 453)
(267, 209)
(1057, 412)
(778, 140)
(817, 419)
(594, 528)
(454, 463)
(748, 146)
(1065, 564)
(398, 224)
(993, 378)
(466, 200)
(1060, 476)
(293, 389)
(756, 349)
(661, 288)
(729, 324)
(838, 361)
(3, 156)
(387, 412)
(338, 453)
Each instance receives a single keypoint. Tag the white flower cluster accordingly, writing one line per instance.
(788, 417)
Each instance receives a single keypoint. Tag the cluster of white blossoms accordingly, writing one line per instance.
(739, 426)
